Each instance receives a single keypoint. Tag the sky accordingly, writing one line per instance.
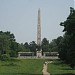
(20, 18)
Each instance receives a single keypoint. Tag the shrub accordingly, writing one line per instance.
(4, 57)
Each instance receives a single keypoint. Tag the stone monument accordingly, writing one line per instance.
(39, 49)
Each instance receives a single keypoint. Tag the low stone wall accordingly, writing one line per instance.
(30, 55)
(35, 57)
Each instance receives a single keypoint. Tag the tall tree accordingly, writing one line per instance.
(69, 39)
(45, 45)
(54, 44)
(8, 44)
(32, 46)
(4, 43)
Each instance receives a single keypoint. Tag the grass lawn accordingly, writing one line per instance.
(33, 67)
(22, 67)
(57, 68)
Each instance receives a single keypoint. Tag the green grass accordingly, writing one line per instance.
(33, 67)
(57, 68)
(21, 67)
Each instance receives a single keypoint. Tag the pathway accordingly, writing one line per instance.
(44, 71)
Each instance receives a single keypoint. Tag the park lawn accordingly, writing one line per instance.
(21, 67)
(57, 68)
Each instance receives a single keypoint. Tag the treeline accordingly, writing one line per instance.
(67, 45)
(9, 46)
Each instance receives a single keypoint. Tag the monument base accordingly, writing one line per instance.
(39, 54)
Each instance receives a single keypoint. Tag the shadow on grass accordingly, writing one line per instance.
(63, 65)
(15, 60)
(10, 64)
(66, 68)
(64, 74)
(18, 74)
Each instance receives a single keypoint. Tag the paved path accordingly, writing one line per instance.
(44, 71)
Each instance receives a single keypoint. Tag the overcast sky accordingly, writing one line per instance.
(20, 17)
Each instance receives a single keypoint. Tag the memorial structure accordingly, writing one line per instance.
(50, 55)
(39, 49)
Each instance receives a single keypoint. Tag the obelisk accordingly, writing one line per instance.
(39, 30)
(39, 49)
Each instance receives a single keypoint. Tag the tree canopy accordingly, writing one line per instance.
(67, 46)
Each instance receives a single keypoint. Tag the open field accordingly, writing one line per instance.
(57, 68)
(33, 67)
(22, 67)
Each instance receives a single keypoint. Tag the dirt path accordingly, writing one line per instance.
(44, 71)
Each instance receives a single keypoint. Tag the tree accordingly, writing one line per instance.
(14, 49)
(32, 46)
(26, 45)
(54, 44)
(45, 45)
(4, 43)
(69, 39)
(62, 47)
(8, 45)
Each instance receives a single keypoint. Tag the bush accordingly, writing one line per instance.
(72, 66)
(13, 53)
(4, 57)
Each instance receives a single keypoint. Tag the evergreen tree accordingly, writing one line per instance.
(45, 45)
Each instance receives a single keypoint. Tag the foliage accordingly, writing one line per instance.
(54, 44)
(67, 46)
(4, 57)
(33, 46)
(45, 45)
(4, 43)
(8, 45)
(26, 45)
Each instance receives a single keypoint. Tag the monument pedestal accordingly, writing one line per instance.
(39, 54)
